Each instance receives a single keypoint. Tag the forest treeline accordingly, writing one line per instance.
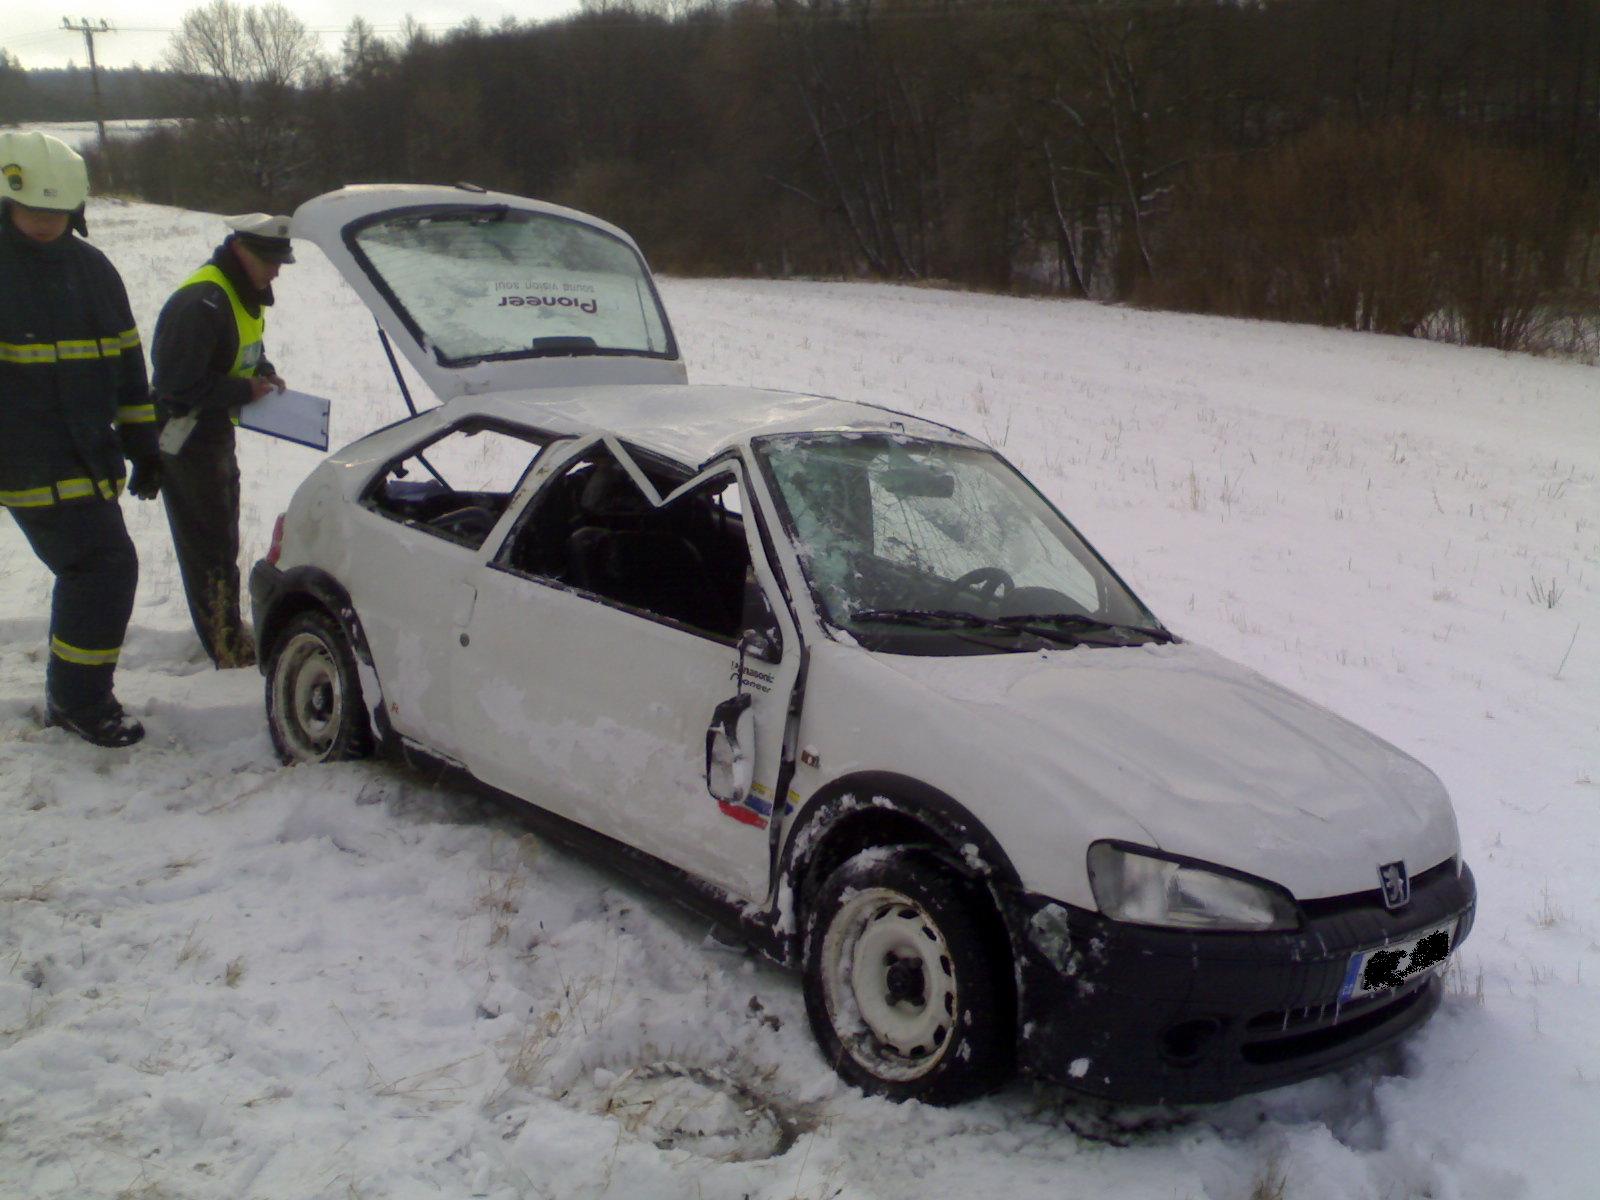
(1427, 167)
(66, 93)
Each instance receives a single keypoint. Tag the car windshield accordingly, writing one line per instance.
(498, 282)
(926, 547)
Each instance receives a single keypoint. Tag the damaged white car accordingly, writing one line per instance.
(843, 678)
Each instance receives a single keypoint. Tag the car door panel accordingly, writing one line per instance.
(405, 584)
(600, 713)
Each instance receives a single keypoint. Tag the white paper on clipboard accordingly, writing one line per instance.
(291, 415)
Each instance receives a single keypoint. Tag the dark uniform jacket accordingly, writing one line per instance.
(73, 393)
(195, 343)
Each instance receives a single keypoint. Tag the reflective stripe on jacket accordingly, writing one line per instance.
(73, 391)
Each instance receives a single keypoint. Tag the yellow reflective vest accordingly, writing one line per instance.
(251, 329)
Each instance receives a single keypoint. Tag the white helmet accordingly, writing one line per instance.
(42, 172)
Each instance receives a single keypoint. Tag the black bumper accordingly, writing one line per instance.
(266, 586)
(1145, 1016)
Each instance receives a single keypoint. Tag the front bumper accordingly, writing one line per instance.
(1143, 1016)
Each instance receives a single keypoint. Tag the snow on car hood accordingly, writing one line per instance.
(1214, 760)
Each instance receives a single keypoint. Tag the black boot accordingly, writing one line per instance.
(104, 724)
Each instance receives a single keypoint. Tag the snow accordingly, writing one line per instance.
(1146, 731)
(84, 135)
(222, 978)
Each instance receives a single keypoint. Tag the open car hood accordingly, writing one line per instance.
(488, 292)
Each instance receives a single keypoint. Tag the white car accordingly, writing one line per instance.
(841, 677)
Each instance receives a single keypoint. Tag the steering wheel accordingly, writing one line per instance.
(988, 582)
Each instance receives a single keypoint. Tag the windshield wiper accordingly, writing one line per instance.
(939, 618)
(928, 618)
(1041, 623)
(1054, 627)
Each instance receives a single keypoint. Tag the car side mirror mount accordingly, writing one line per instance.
(755, 643)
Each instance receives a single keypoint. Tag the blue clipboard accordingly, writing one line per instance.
(293, 416)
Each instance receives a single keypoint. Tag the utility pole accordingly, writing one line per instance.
(88, 30)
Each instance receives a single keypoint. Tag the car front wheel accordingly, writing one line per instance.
(904, 979)
(314, 708)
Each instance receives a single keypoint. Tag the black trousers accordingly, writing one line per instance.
(200, 487)
(87, 548)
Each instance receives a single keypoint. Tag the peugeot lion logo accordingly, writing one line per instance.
(1396, 887)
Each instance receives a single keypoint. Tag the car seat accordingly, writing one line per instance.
(624, 550)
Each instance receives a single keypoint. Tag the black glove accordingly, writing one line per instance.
(145, 482)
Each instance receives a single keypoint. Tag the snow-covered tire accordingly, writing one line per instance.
(314, 707)
(905, 979)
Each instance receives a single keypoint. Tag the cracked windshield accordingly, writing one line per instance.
(496, 282)
(930, 548)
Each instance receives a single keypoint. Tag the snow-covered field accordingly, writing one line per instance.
(221, 978)
(82, 135)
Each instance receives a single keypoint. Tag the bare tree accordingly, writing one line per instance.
(244, 66)
(1111, 114)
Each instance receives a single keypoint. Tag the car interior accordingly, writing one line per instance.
(591, 528)
(465, 517)
(458, 485)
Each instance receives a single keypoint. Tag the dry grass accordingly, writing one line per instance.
(33, 1019)
(531, 1051)
(1459, 984)
(34, 893)
(435, 1087)
(500, 900)
(1548, 915)
(192, 949)
(1271, 1182)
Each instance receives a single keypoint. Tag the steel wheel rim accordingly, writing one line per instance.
(310, 697)
(889, 983)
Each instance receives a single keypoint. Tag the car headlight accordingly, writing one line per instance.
(1141, 888)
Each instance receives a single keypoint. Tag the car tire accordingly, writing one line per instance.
(906, 981)
(314, 708)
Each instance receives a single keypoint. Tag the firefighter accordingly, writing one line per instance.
(208, 361)
(74, 403)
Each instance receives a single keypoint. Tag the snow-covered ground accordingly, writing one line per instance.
(221, 978)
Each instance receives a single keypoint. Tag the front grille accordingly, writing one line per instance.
(1334, 906)
(1277, 1037)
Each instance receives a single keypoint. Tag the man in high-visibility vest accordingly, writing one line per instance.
(74, 403)
(208, 361)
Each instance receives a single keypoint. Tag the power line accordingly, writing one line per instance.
(88, 30)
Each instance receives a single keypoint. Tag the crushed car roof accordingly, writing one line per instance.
(692, 423)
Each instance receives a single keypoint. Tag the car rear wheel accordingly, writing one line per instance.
(903, 979)
(314, 707)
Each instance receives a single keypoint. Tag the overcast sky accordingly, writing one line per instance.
(33, 32)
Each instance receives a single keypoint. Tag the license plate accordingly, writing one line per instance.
(1386, 967)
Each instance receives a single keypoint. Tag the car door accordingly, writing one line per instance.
(593, 697)
(422, 528)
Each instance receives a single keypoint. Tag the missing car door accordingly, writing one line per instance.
(683, 560)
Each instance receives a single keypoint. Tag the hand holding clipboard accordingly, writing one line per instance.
(290, 415)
